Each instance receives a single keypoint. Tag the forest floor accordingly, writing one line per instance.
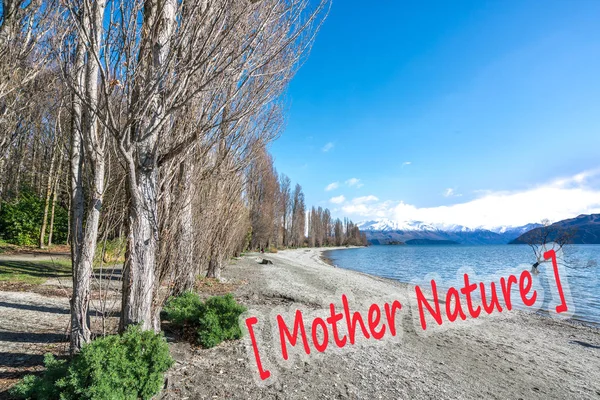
(516, 355)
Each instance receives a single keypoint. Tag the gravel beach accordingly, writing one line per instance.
(515, 355)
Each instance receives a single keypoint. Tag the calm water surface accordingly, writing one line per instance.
(414, 263)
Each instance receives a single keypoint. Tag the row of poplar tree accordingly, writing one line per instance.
(149, 120)
(279, 217)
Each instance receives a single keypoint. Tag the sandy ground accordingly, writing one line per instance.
(516, 355)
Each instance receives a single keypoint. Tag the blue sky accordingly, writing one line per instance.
(438, 107)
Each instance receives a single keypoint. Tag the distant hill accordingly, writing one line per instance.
(396, 243)
(421, 242)
(585, 229)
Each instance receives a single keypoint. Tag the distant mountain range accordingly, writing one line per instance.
(585, 229)
(385, 231)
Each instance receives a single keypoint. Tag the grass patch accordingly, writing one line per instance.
(33, 272)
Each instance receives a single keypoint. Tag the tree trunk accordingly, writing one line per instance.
(91, 140)
(21, 158)
(214, 269)
(82, 278)
(56, 186)
(54, 199)
(185, 254)
(48, 191)
(80, 333)
(69, 220)
(139, 273)
(1, 180)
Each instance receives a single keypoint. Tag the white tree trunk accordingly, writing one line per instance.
(185, 253)
(55, 149)
(91, 139)
(54, 199)
(139, 275)
(80, 333)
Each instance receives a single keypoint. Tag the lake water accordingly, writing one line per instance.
(580, 274)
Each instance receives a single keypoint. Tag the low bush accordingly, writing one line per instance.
(215, 320)
(48, 386)
(184, 309)
(120, 367)
(219, 321)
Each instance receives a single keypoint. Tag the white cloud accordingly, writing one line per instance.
(337, 200)
(327, 147)
(360, 206)
(406, 163)
(354, 182)
(374, 210)
(577, 179)
(450, 192)
(560, 199)
(364, 199)
(332, 186)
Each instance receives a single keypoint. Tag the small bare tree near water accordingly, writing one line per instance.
(545, 238)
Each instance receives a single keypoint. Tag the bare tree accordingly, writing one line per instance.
(285, 201)
(545, 238)
(185, 53)
(185, 95)
(24, 30)
(261, 196)
(82, 47)
(298, 217)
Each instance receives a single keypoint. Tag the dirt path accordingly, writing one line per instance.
(518, 356)
(34, 318)
(30, 326)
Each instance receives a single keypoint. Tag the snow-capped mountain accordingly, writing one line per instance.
(389, 225)
(517, 229)
(385, 230)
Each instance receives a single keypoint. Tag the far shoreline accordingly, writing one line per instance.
(326, 259)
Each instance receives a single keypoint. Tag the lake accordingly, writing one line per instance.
(412, 264)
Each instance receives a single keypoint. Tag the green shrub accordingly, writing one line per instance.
(120, 367)
(215, 320)
(21, 220)
(184, 309)
(44, 387)
(209, 330)
(219, 321)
